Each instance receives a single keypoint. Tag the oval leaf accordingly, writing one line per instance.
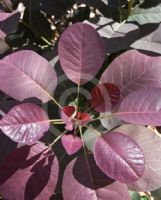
(142, 107)
(31, 74)
(69, 110)
(25, 123)
(133, 70)
(71, 143)
(119, 157)
(81, 52)
(150, 143)
(36, 171)
(86, 181)
(104, 97)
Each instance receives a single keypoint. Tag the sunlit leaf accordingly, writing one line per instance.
(31, 74)
(119, 157)
(142, 107)
(25, 123)
(71, 143)
(133, 70)
(79, 46)
(150, 143)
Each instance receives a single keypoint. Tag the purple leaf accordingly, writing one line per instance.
(71, 143)
(119, 157)
(142, 107)
(104, 97)
(79, 46)
(86, 181)
(69, 116)
(150, 143)
(36, 171)
(109, 123)
(66, 115)
(132, 71)
(83, 118)
(25, 123)
(31, 74)
(69, 110)
(8, 22)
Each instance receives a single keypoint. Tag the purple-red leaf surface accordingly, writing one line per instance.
(133, 70)
(25, 123)
(29, 172)
(69, 116)
(66, 115)
(142, 107)
(150, 143)
(69, 110)
(71, 143)
(119, 157)
(83, 118)
(81, 52)
(32, 75)
(104, 97)
(86, 181)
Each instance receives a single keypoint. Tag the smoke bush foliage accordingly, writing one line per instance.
(80, 99)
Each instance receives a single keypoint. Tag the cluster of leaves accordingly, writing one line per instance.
(93, 92)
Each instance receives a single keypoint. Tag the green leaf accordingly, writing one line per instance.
(144, 16)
